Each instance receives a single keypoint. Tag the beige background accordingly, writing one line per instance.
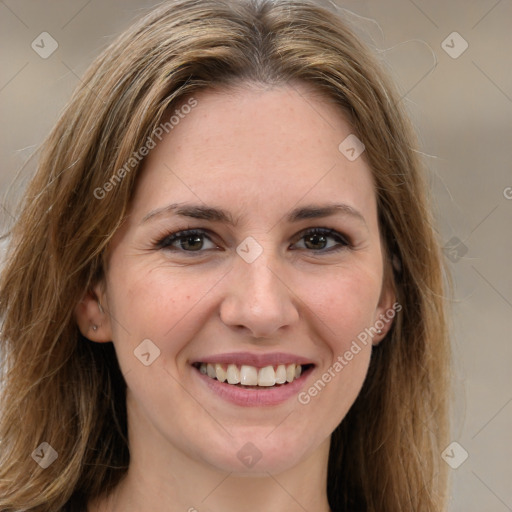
(463, 110)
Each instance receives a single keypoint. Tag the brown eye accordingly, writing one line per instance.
(316, 239)
(188, 241)
(193, 241)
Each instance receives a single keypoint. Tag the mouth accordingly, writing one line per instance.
(252, 377)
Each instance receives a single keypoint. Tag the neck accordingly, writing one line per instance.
(162, 478)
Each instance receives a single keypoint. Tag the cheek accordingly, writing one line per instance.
(345, 302)
(345, 307)
(158, 304)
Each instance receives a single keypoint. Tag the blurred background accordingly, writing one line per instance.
(452, 62)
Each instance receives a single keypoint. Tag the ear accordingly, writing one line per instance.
(92, 316)
(387, 307)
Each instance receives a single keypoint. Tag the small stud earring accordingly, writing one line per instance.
(379, 331)
(94, 327)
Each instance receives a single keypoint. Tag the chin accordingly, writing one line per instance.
(258, 454)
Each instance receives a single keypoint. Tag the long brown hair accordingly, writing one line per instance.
(60, 388)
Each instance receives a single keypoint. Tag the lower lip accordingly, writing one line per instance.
(254, 397)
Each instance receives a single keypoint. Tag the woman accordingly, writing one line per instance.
(224, 288)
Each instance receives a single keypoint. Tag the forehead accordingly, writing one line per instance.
(256, 148)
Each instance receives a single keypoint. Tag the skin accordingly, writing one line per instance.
(257, 153)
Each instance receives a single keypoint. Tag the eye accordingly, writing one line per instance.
(192, 240)
(319, 236)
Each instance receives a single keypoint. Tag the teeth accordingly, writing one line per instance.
(220, 372)
(210, 371)
(247, 375)
(290, 373)
(233, 374)
(266, 376)
(281, 374)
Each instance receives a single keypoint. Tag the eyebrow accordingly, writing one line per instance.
(212, 214)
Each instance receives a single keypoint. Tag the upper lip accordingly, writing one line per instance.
(253, 359)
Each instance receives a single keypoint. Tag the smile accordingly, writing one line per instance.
(251, 377)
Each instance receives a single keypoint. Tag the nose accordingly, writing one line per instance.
(258, 299)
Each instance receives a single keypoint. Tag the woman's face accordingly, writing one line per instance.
(255, 287)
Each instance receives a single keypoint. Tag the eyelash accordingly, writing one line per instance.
(166, 241)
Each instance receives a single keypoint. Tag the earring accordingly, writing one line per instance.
(379, 331)
(94, 327)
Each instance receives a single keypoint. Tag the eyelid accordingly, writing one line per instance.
(343, 241)
(330, 232)
(181, 233)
